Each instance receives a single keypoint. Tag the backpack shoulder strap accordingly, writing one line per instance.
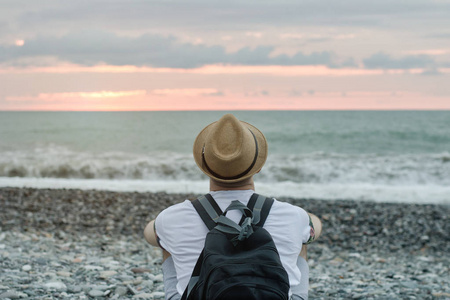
(260, 206)
(208, 210)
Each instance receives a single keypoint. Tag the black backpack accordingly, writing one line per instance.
(238, 261)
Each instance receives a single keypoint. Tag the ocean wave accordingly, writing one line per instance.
(312, 168)
(333, 168)
(58, 162)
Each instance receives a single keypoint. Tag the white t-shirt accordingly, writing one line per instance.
(182, 233)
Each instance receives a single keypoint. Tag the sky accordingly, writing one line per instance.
(224, 55)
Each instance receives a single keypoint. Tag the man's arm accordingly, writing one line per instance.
(152, 238)
(150, 234)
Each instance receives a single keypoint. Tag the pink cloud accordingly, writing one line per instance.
(193, 92)
(283, 71)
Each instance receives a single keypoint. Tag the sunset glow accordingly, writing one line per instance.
(19, 43)
(219, 69)
(275, 62)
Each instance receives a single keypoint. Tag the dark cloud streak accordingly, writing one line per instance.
(384, 61)
(94, 47)
(223, 15)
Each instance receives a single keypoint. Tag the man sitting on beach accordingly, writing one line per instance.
(230, 152)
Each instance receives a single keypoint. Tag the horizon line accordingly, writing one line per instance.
(249, 110)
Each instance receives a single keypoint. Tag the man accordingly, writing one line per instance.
(230, 152)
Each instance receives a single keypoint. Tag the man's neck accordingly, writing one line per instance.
(215, 186)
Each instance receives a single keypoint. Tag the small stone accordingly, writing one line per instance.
(121, 290)
(148, 284)
(336, 261)
(41, 261)
(55, 285)
(96, 268)
(107, 274)
(409, 284)
(95, 293)
(132, 290)
(140, 270)
(159, 278)
(64, 273)
(125, 277)
(158, 295)
(426, 258)
(66, 257)
(356, 255)
(77, 260)
(151, 277)
(102, 287)
(144, 296)
(74, 289)
(439, 294)
(9, 295)
(26, 268)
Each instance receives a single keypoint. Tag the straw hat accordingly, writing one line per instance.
(230, 150)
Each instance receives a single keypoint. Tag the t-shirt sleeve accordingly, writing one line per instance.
(167, 223)
(306, 227)
(160, 232)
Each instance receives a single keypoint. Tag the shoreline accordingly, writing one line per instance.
(79, 243)
(396, 226)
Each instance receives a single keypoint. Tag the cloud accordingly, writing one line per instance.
(229, 14)
(432, 52)
(98, 47)
(432, 72)
(384, 61)
(192, 92)
(50, 97)
(445, 36)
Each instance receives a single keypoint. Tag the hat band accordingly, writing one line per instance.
(232, 177)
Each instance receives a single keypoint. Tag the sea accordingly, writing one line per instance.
(382, 156)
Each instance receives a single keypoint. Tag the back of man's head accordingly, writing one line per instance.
(230, 151)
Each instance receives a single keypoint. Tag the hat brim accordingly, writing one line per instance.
(260, 160)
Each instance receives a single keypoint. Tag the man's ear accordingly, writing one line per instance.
(317, 224)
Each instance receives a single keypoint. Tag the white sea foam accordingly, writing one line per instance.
(421, 194)
(311, 168)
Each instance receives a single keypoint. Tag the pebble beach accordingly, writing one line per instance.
(88, 244)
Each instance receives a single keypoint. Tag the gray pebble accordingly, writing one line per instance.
(10, 295)
(41, 261)
(55, 285)
(367, 251)
(26, 268)
(96, 293)
(409, 285)
(121, 290)
(158, 295)
(144, 296)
